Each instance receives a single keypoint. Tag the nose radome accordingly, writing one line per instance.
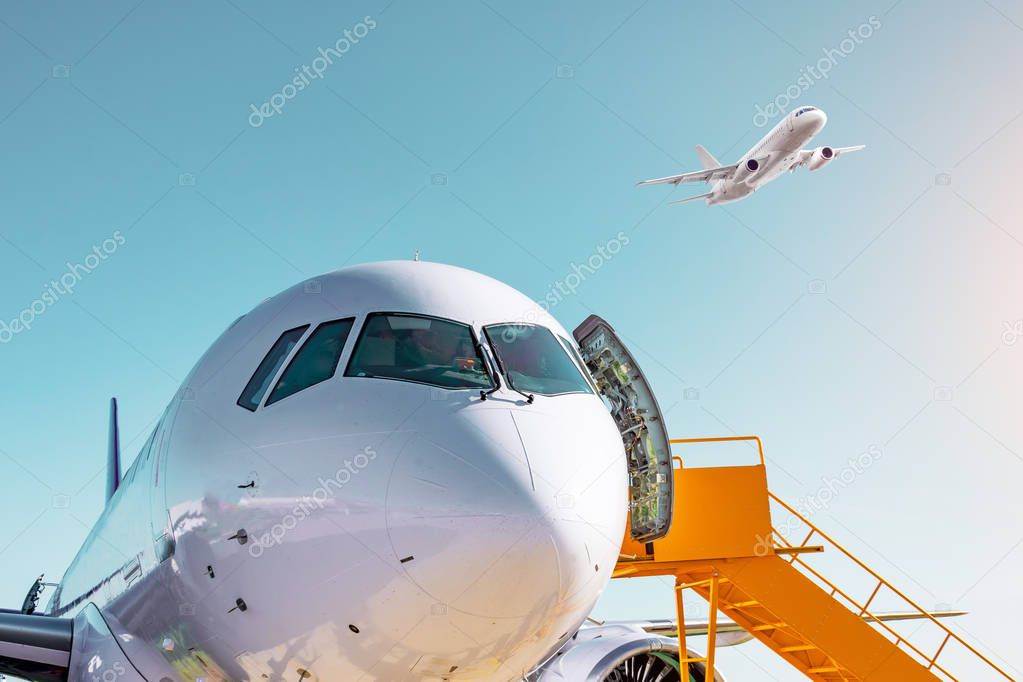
(509, 522)
(461, 503)
(495, 517)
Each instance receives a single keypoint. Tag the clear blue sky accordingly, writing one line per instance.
(864, 305)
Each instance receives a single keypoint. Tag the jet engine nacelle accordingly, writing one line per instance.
(624, 653)
(821, 156)
(93, 646)
(746, 170)
(103, 650)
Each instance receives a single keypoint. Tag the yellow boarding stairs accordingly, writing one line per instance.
(735, 559)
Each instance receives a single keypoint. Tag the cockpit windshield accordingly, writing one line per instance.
(804, 110)
(534, 361)
(421, 349)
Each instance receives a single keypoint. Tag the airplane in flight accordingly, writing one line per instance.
(400, 471)
(782, 149)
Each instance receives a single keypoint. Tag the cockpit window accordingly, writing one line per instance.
(534, 361)
(421, 349)
(264, 374)
(316, 361)
(804, 110)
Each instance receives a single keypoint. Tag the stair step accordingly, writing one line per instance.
(744, 604)
(770, 626)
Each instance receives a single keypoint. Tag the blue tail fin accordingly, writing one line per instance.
(113, 453)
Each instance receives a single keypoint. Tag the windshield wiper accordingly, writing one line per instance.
(491, 371)
(504, 369)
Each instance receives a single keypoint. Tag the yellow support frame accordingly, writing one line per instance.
(712, 626)
(721, 529)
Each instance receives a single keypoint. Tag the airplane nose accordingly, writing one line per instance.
(496, 519)
(462, 504)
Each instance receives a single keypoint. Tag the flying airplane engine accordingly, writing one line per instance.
(619, 653)
(821, 157)
(746, 170)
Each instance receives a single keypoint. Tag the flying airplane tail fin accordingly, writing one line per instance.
(706, 158)
(698, 196)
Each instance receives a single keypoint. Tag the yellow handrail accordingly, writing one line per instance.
(881, 581)
(723, 439)
(863, 612)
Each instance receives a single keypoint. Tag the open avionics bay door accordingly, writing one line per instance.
(634, 408)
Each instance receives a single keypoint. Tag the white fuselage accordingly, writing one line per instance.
(774, 153)
(363, 528)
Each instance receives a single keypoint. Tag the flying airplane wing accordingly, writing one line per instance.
(730, 633)
(705, 175)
